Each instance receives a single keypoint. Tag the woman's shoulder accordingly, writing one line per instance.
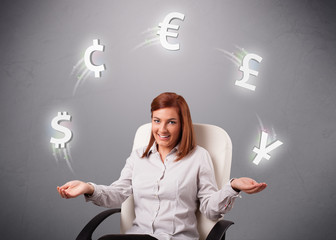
(138, 152)
(201, 158)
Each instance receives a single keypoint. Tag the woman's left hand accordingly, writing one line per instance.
(247, 185)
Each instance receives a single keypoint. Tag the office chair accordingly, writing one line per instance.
(218, 143)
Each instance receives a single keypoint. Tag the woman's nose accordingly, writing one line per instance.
(163, 127)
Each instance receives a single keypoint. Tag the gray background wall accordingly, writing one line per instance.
(41, 42)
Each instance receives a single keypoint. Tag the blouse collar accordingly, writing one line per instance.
(154, 149)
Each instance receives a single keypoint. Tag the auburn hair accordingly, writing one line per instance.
(187, 137)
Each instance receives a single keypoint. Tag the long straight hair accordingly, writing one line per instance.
(187, 138)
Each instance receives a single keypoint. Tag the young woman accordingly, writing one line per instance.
(169, 179)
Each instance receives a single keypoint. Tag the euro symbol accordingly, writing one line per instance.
(88, 61)
(163, 32)
(247, 71)
(263, 151)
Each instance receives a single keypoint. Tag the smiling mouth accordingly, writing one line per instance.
(164, 136)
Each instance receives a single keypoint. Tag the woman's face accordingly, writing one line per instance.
(166, 128)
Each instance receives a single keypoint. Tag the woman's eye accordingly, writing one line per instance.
(172, 122)
(156, 121)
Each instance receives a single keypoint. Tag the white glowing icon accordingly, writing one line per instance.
(165, 25)
(60, 143)
(87, 58)
(263, 150)
(247, 71)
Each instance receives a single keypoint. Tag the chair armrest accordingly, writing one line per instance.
(218, 231)
(86, 233)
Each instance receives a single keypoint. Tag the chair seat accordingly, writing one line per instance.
(216, 233)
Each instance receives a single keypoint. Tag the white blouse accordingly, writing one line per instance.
(167, 194)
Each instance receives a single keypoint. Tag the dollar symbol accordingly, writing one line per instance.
(247, 71)
(87, 58)
(163, 32)
(60, 143)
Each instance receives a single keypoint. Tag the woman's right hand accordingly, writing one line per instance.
(75, 188)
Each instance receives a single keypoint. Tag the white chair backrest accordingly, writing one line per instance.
(212, 138)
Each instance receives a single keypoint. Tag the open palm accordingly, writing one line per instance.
(248, 185)
(73, 189)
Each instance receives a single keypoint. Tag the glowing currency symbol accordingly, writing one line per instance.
(87, 58)
(60, 143)
(247, 71)
(163, 32)
(263, 151)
